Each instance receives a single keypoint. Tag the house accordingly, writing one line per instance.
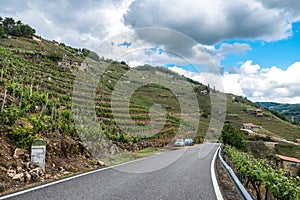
(204, 92)
(83, 66)
(252, 127)
(290, 164)
(259, 112)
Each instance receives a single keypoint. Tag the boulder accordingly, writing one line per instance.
(19, 177)
(36, 174)
(60, 169)
(101, 163)
(21, 154)
(27, 177)
(19, 169)
(29, 165)
(11, 172)
(48, 176)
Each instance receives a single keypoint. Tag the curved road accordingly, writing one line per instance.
(180, 174)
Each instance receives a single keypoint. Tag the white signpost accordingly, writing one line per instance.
(38, 152)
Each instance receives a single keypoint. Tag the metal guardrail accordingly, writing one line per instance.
(242, 191)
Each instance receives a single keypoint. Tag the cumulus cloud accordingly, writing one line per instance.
(258, 84)
(213, 21)
(248, 68)
(206, 22)
(210, 23)
(289, 8)
(235, 48)
(78, 23)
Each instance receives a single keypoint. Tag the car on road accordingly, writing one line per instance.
(188, 142)
(179, 143)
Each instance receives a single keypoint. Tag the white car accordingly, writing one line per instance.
(179, 143)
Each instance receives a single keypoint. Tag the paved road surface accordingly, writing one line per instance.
(180, 174)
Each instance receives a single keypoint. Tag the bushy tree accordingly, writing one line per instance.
(8, 26)
(233, 137)
(2, 32)
(8, 23)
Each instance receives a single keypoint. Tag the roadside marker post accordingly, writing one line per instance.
(38, 152)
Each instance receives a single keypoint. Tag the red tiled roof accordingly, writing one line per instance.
(286, 158)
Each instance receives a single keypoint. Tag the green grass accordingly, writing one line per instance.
(148, 150)
(288, 150)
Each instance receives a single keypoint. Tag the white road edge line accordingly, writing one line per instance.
(69, 178)
(214, 178)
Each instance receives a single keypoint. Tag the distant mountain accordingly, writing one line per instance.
(291, 111)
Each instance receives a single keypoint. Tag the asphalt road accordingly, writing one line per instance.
(180, 174)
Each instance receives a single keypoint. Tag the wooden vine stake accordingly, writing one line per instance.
(4, 98)
(2, 74)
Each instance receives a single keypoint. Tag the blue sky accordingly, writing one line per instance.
(282, 53)
(256, 42)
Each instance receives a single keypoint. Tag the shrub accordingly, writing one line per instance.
(233, 137)
(22, 137)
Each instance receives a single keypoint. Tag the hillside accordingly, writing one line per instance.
(240, 112)
(291, 111)
(36, 94)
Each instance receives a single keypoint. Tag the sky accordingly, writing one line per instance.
(252, 45)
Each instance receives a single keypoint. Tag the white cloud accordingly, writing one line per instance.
(206, 22)
(235, 48)
(258, 84)
(77, 23)
(213, 21)
(248, 69)
(89, 23)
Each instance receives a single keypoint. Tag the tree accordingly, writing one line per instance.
(26, 30)
(233, 137)
(8, 26)
(8, 23)
(55, 57)
(2, 32)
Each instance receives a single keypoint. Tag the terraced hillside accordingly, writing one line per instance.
(37, 100)
(290, 111)
(240, 110)
(39, 90)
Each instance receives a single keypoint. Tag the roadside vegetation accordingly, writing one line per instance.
(260, 176)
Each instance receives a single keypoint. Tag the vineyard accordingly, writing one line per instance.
(37, 90)
(261, 176)
(36, 101)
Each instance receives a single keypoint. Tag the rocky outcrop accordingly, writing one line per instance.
(64, 156)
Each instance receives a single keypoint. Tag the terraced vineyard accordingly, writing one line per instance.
(38, 92)
(242, 112)
(37, 99)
